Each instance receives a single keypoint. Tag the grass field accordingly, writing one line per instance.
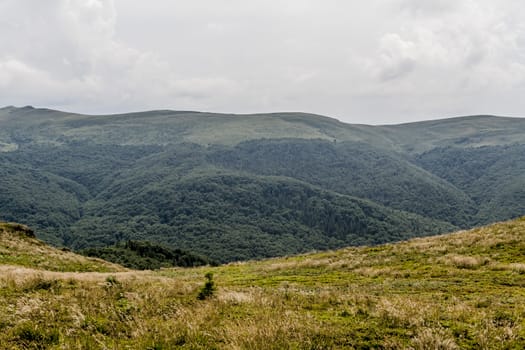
(462, 290)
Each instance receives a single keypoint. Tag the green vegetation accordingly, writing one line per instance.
(208, 289)
(231, 217)
(242, 187)
(143, 255)
(458, 291)
(354, 169)
(493, 176)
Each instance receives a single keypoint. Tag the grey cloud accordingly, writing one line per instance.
(398, 69)
(67, 51)
(374, 62)
(396, 58)
(477, 50)
(427, 7)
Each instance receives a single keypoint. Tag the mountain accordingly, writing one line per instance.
(461, 132)
(457, 291)
(236, 187)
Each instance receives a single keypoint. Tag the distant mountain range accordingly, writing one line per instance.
(234, 187)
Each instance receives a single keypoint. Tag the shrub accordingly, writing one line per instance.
(112, 281)
(208, 289)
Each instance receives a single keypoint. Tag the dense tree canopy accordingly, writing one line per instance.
(232, 188)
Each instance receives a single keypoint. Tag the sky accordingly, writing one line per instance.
(371, 62)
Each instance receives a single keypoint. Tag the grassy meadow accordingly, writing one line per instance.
(459, 291)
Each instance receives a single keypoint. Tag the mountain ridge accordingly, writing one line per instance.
(97, 180)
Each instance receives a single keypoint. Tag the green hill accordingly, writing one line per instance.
(461, 132)
(231, 217)
(355, 169)
(493, 176)
(234, 187)
(20, 248)
(457, 291)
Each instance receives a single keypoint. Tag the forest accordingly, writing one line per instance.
(230, 188)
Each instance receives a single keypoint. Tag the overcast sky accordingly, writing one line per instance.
(374, 61)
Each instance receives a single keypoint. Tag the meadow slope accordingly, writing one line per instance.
(461, 290)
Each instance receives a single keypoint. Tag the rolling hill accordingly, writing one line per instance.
(235, 187)
(457, 291)
(19, 248)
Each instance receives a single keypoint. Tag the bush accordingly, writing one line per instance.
(208, 289)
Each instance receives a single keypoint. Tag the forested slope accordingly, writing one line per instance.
(236, 187)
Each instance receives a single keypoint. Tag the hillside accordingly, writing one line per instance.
(461, 132)
(461, 290)
(163, 127)
(236, 187)
(19, 247)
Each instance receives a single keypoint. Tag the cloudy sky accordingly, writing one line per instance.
(374, 61)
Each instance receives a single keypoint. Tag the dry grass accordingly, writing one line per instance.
(463, 290)
(434, 339)
(18, 247)
(518, 267)
(465, 262)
